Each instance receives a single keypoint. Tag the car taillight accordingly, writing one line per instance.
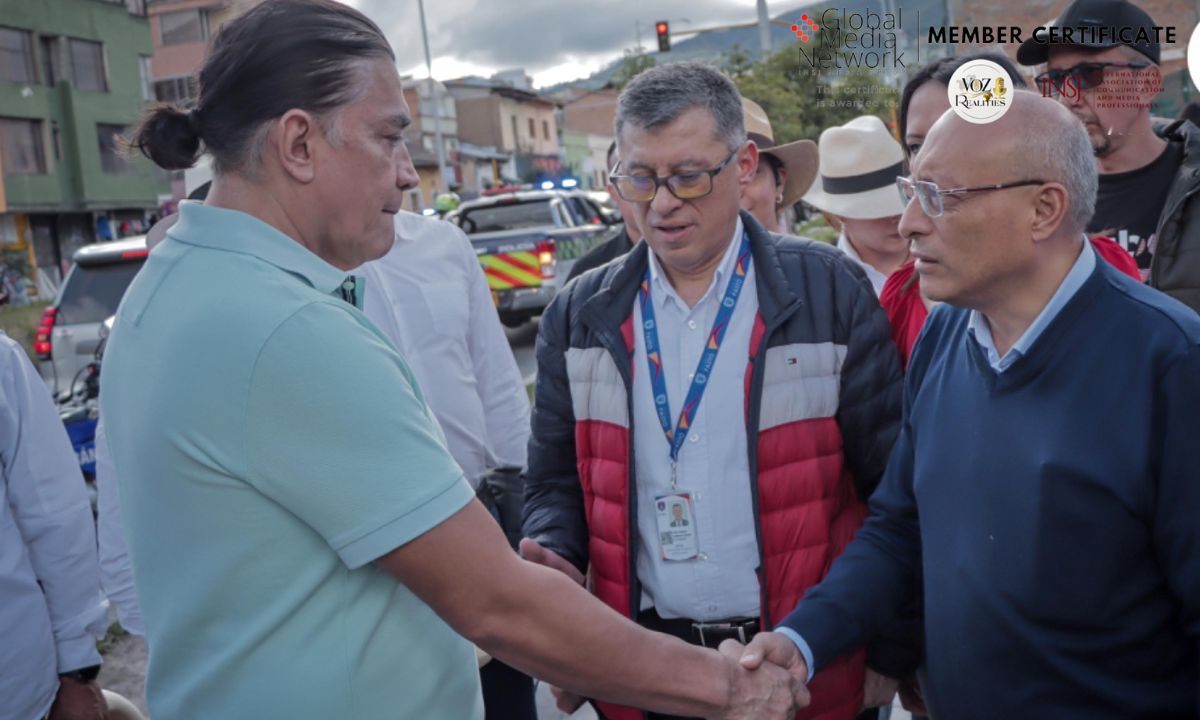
(545, 255)
(41, 339)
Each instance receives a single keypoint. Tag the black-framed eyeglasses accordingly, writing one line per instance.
(685, 186)
(1085, 75)
(931, 196)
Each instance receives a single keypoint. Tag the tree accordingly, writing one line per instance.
(801, 102)
(633, 63)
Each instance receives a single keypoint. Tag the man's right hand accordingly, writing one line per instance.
(766, 690)
(533, 551)
(775, 649)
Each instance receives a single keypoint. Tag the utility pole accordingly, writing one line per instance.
(764, 29)
(637, 29)
(950, 22)
(437, 104)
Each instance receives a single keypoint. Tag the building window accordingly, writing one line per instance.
(56, 140)
(144, 75)
(112, 162)
(21, 147)
(16, 56)
(532, 131)
(178, 91)
(51, 60)
(87, 65)
(136, 7)
(184, 26)
(515, 136)
(546, 129)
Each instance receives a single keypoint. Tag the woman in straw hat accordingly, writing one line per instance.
(784, 171)
(857, 186)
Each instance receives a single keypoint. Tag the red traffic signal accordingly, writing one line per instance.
(664, 35)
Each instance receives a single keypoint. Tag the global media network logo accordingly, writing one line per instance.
(849, 39)
(806, 34)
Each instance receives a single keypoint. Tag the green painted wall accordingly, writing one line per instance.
(575, 149)
(75, 181)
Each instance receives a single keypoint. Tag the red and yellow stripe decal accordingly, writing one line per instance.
(511, 270)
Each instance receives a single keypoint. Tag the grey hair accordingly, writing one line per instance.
(1062, 152)
(658, 96)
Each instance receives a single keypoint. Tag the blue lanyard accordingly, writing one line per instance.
(676, 436)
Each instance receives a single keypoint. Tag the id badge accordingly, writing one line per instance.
(677, 539)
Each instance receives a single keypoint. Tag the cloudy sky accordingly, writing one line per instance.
(554, 40)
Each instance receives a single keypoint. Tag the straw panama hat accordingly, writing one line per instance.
(859, 165)
(799, 158)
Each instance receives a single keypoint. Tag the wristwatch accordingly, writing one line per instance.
(83, 675)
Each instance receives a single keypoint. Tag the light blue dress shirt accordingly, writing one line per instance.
(51, 608)
(1075, 278)
(713, 463)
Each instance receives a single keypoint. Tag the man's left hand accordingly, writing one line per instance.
(878, 690)
(78, 701)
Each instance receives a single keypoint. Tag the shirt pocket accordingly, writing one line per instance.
(447, 305)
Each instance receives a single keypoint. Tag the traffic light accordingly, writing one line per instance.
(664, 35)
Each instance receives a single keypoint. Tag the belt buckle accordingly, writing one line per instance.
(740, 627)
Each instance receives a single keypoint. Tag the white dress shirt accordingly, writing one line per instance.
(713, 463)
(51, 609)
(116, 572)
(429, 295)
(877, 278)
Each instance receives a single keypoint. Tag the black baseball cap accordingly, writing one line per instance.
(1086, 17)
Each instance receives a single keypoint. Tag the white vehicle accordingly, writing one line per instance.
(69, 331)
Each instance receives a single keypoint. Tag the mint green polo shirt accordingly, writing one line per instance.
(269, 444)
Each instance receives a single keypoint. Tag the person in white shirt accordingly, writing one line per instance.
(51, 608)
(429, 296)
(860, 162)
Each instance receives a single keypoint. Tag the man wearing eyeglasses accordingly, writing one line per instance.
(713, 409)
(1149, 170)
(1044, 485)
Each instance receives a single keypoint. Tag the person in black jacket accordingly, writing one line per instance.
(1148, 176)
(785, 424)
(618, 245)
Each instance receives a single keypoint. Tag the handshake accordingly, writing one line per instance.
(766, 680)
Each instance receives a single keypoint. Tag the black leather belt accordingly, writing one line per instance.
(709, 634)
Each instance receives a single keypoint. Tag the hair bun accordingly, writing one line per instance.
(170, 137)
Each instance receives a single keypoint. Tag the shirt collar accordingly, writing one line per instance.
(1076, 277)
(877, 278)
(659, 278)
(235, 231)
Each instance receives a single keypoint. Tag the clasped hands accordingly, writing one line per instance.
(766, 677)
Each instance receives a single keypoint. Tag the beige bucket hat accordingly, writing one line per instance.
(798, 158)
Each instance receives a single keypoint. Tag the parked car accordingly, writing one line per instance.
(69, 331)
(527, 242)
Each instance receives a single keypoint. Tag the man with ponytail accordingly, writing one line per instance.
(303, 544)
